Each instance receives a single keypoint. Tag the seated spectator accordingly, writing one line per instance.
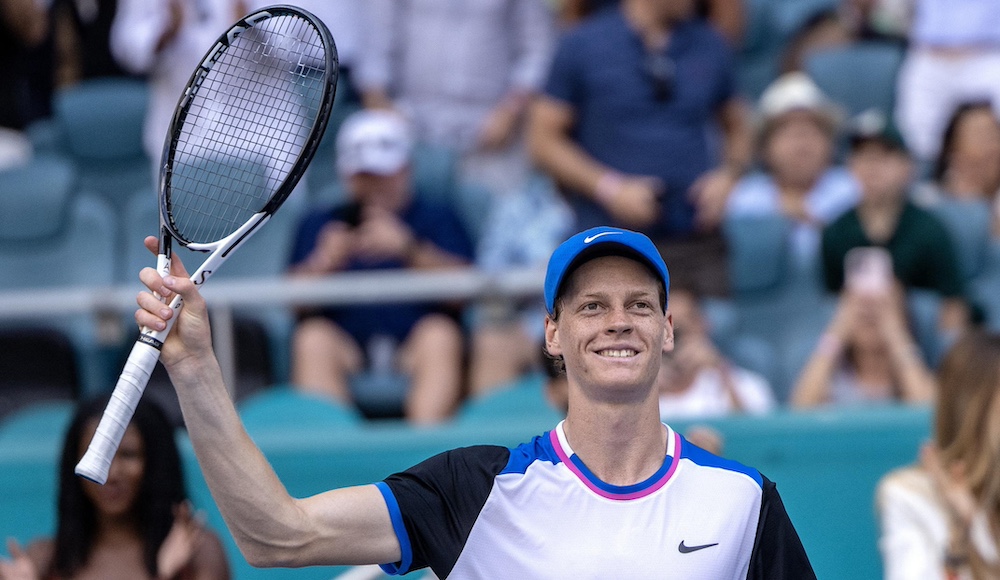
(940, 518)
(386, 224)
(923, 254)
(798, 179)
(867, 353)
(139, 524)
(968, 165)
(698, 381)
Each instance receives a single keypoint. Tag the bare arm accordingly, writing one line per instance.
(343, 526)
(916, 381)
(711, 191)
(631, 199)
(813, 385)
(26, 19)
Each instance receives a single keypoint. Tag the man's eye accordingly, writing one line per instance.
(590, 306)
(642, 305)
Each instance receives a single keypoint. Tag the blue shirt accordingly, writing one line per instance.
(601, 70)
(430, 222)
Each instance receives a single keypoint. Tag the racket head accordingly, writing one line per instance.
(247, 124)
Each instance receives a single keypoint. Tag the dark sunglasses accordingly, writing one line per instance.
(660, 69)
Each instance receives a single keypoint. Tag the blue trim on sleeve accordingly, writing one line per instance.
(405, 548)
(538, 449)
(701, 457)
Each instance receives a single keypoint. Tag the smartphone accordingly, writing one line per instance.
(868, 270)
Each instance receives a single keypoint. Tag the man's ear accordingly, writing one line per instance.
(668, 332)
(552, 337)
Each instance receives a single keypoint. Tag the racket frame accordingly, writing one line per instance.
(96, 462)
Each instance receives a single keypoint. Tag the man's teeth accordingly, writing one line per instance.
(618, 353)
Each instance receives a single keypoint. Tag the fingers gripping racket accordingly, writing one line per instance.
(244, 131)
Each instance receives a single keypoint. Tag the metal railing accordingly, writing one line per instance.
(224, 296)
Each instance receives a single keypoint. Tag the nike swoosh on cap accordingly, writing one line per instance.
(589, 239)
(688, 549)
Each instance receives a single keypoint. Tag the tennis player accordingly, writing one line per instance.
(611, 492)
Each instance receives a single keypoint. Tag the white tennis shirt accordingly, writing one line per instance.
(536, 511)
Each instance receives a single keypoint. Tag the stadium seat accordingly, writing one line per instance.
(434, 170)
(858, 76)
(968, 222)
(100, 125)
(283, 407)
(778, 301)
(52, 236)
(522, 398)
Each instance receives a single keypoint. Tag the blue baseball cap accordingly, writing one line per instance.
(600, 241)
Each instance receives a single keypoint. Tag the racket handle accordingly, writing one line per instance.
(96, 462)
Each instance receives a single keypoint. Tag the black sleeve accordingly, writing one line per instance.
(777, 551)
(440, 500)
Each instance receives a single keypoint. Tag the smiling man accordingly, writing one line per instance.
(610, 492)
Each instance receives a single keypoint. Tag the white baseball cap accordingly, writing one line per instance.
(796, 91)
(374, 141)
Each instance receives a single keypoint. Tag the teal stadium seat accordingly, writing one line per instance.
(969, 223)
(99, 126)
(52, 236)
(522, 398)
(780, 305)
(857, 76)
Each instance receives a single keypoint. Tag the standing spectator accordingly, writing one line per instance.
(137, 525)
(628, 125)
(385, 225)
(728, 16)
(463, 72)
(165, 40)
(26, 63)
(941, 517)
(84, 31)
(797, 131)
(923, 254)
(953, 56)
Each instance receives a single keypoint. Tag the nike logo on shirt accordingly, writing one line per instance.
(688, 549)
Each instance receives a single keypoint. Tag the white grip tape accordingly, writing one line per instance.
(96, 462)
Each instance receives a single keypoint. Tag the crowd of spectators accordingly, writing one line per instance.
(562, 116)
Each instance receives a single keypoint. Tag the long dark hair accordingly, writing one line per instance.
(943, 160)
(161, 489)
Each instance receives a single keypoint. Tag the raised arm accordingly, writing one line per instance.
(271, 528)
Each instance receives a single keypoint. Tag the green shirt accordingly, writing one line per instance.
(923, 254)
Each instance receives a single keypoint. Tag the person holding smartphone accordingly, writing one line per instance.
(867, 352)
(385, 224)
(923, 254)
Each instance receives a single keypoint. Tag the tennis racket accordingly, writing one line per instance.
(243, 133)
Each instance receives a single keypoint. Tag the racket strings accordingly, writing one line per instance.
(246, 127)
